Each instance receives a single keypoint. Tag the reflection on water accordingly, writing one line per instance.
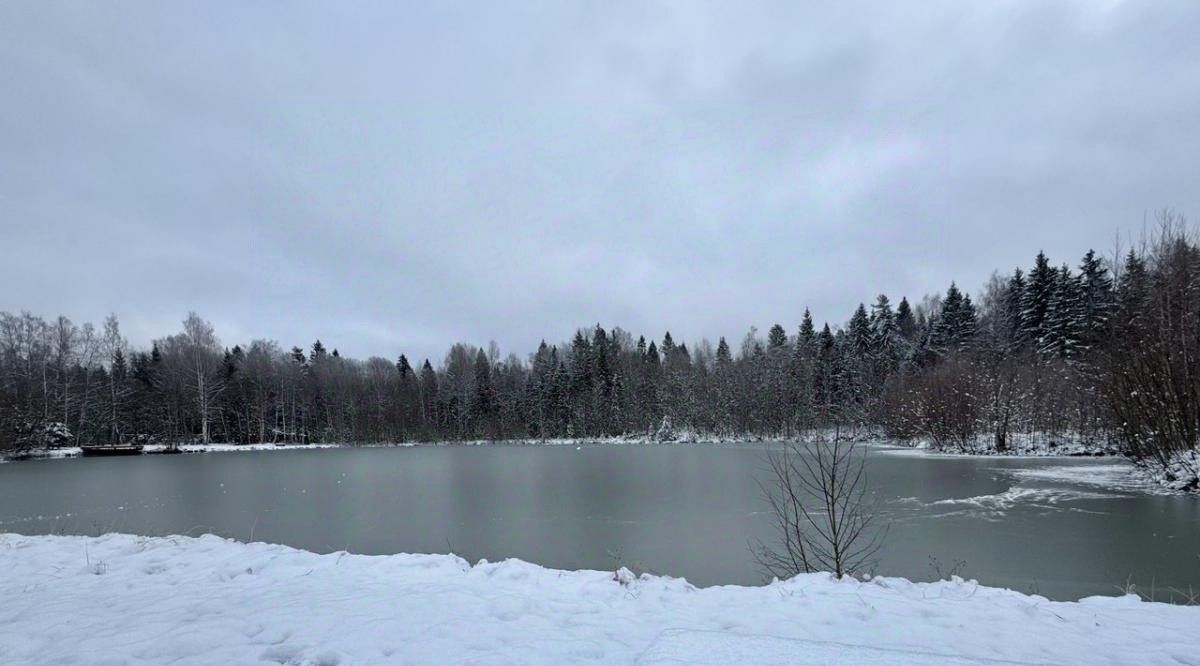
(1062, 528)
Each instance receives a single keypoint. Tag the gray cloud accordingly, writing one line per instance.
(397, 178)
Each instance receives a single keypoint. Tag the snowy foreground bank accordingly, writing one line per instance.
(121, 599)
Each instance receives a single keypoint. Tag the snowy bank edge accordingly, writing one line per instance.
(622, 576)
(75, 451)
(213, 600)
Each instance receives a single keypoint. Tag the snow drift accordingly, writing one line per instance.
(124, 599)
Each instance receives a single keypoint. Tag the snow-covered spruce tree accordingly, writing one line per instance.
(1035, 302)
(561, 397)
(650, 388)
(801, 375)
(1096, 300)
(582, 382)
(905, 321)
(408, 398)
(776, 394)
(429, 397)
(605, 386)
(1013, 312)
(825, 379)
(724, 387)
(1065, 317)
(886, 339)
(954, 329)
(538, 392)
(859, 331)
(482, 403)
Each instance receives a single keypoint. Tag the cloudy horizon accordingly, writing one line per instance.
(394, 180)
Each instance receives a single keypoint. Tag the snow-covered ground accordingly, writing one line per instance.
(1117, 473)
(1181, 473)
(1021, 444)
(684, 438)
(121, 599)
(226, 448)
(75, 451)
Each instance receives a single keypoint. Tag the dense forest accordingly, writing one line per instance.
(1104, 351)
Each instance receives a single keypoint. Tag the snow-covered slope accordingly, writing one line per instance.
(121, 599)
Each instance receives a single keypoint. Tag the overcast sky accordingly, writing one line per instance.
(393, 179)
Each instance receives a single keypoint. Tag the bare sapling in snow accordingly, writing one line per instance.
(824, 517)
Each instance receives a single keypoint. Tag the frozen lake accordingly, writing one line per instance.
(1035, 525)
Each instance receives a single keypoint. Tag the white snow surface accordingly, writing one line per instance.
(233, 448)
(122, 599)
(1034, 444)
(1120, 475)
(1182, 472)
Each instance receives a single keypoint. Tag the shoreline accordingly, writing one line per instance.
(1180, 479)
(157, 449)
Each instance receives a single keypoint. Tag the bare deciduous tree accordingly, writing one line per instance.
(114, 351)
(824, 518)
(193, 362)
(1153, 359)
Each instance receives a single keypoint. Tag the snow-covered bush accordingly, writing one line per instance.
(46, 435)
(666, 431)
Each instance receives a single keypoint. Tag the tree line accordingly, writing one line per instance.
(1102, 351)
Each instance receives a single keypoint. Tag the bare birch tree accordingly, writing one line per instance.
(202, 352)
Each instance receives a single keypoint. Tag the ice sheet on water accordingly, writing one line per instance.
(996, 505)
(1120, 476)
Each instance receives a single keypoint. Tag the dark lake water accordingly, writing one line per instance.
(1034, 525)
